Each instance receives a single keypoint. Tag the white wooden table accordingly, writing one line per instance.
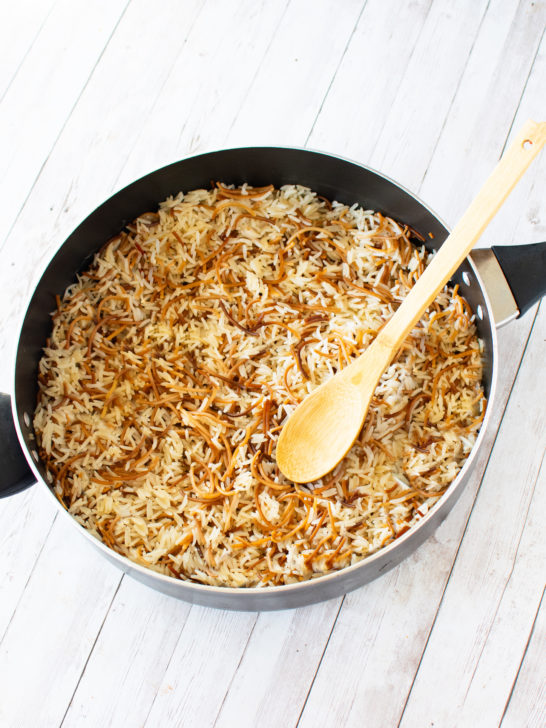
(95, 94)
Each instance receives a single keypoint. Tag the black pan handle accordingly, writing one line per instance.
(15, 474)
(524, 267)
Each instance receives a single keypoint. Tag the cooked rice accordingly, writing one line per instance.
(176, 358)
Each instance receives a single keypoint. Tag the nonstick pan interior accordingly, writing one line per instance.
(332, 177)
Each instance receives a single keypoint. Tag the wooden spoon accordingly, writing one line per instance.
(324, 426)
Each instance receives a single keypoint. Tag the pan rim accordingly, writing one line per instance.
(411, 539)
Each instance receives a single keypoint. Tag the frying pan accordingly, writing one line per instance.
(499, 283)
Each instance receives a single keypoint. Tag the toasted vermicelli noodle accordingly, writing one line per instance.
(176, 358)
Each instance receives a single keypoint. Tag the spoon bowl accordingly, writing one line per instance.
(346, 400)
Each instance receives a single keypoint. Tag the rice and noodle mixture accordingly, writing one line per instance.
(176, 358)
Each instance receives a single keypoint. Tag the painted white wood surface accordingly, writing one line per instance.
(17, 37)
(44, 90)
(428, 91)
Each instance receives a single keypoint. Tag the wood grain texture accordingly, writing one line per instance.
(83, 165)
(49, 81)
(528, 697)
(18, 36)
(280, 661)
(483, 108)
(206, 85)
(430, 93)
(136, 643)
(53, 629)
(296, 73)
(424, 97)
(25, 524)
(210, 647)
(359, 101)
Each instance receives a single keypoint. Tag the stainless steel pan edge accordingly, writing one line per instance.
(324, 587)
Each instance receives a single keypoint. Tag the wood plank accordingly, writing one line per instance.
(523, 218)
(211, 645)
(204, 111)
(25, 522)
(363, 93)
(295, 74)
(54, 629)
(426, 93)
(516, 622)
(479, 637)
(528, 697)
(49, 81)
(26, 19)
(284, 651)
(135, 645)
(483, 110)
(520, 221)
(520, 226)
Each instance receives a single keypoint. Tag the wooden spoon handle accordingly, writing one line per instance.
(519, 155)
